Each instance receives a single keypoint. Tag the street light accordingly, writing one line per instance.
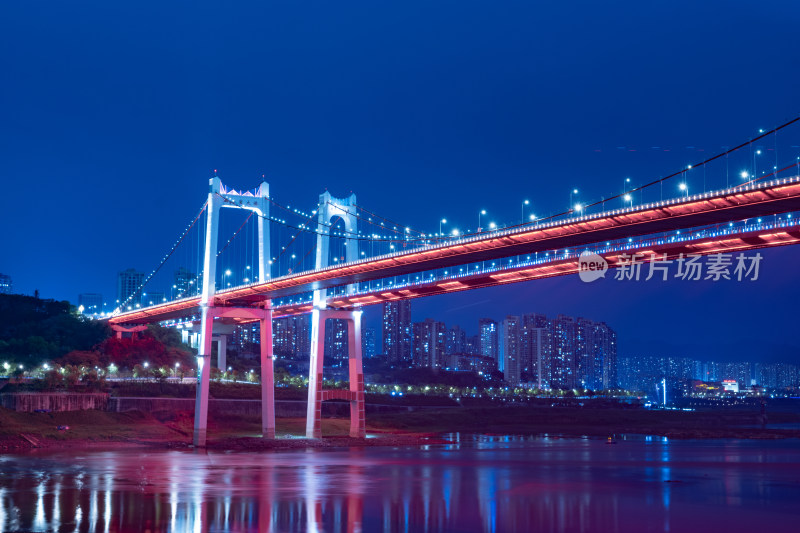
(524, 203)
(755, 172)
(571, 193)
(629, 198)
(744, 174)
(492, 225)
(455, 232)
(481, 212)
(443, 221)
(684, 188)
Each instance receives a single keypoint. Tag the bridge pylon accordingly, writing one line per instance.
(331, 208)
(218, 197)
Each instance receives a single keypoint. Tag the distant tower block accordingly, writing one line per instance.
(330, 209)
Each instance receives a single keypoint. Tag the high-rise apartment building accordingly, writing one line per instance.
(511, 340)
(397, 332)
(429, 344)
(562, 362)
(537, 349)
(291, 336)
(595, 355)
(777, 375)
(368, 342)
(456, 340)
(6, 286)
(487, 332)
(472, 345)
(128, 282)
(336, 342)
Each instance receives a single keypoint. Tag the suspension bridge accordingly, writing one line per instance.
(339, 257)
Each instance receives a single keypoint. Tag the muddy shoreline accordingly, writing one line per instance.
(173, 430)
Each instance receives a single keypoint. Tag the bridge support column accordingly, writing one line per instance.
(203, 375)
(316, 395)
(267, 378)
(358, 423)
(133, 330)
(264, 316)
(222, 352)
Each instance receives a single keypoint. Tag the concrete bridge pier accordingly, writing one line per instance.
(133, 330)
(316, 395)
(264, 316)
(222, 352)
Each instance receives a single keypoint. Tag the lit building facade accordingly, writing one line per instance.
(536, 348)
(368, 342)
(487, 333)
(6, 285)
(397, 332)
(456, 341)
(429, 344)
(128, 282)
(511, 335)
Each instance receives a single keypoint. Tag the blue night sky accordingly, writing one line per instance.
(114, 116)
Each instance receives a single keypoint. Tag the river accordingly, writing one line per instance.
(478, 483)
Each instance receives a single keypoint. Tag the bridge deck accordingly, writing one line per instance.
(778, 196)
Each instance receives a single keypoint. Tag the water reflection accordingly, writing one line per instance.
(477, 483)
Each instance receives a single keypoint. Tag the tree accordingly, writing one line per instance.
(93, 381)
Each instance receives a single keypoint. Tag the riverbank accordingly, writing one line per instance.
(173, 429)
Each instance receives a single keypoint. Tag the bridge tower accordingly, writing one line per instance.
(258, 201)
(329, 210)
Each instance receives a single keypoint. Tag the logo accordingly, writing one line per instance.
(591, 267)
